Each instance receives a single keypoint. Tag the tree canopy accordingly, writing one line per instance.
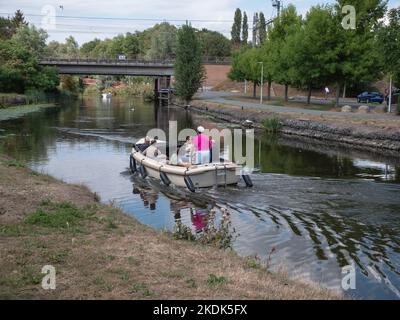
(19, 68)
(317, 50)
(189, 70)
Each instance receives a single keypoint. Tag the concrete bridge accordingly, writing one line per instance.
(111, 67)
(154, 68)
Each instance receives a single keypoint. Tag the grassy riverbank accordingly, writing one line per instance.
(99, 252)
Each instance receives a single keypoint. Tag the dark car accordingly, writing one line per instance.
(371, 97)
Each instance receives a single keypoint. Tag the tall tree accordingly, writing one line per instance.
(18, 20)
(71, 47)
(189, 70)
(246, 66)
(19, 68)
(262, 29)
(289, 22)
(87, 48)
(237, 27)
(163, 42)
(245, 29)
(255, 29)
(214, 44)
(316, 48)
(31, 38)
(358, 59)
(389, 44)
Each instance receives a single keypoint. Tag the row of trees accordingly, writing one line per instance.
(158, 42)
(21, 46)
(317, 50)
(240, 29)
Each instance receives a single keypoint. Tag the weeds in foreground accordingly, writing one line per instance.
(272, 125)
(214, 281)
(216, 233)
(182, 232)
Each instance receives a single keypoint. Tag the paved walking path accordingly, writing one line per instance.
(220, 98)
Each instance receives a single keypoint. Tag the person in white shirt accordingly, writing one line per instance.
(327, 92)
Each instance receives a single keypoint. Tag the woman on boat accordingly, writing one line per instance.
(202, 146)
(187, 151)
(176, 160)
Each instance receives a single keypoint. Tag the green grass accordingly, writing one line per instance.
(13, 163)
(214, 281)
(61, 215)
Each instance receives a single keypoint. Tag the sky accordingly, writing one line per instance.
(88, 19)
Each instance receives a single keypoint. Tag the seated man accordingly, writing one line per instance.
(143, 144)
(154, 153)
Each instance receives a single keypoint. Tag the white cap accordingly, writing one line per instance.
(200, 129)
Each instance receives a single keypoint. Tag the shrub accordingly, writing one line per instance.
(272, 124)
(91, 90)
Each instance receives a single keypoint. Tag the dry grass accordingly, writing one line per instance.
(109, 255)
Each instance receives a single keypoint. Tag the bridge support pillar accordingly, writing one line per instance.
(156, 86)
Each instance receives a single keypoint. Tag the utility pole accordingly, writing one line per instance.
(390, 95)
(262, 82)
(278, 5)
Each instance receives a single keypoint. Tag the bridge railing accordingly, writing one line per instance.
(105, 61)
(167, 62)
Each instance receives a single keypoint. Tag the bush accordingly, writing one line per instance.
(272, 125)
(91, 90)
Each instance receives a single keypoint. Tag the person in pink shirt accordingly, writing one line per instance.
(202, 147)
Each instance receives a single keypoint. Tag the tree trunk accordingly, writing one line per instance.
(254, 90)
(344, 90)
(309, 94)
(337, 102)
(286, 92)
(269, 90)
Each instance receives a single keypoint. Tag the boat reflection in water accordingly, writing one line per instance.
(199, 217)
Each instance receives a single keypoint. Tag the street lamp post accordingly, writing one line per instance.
(262, 82)
(390, 96)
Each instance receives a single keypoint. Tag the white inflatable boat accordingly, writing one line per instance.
(197, 176)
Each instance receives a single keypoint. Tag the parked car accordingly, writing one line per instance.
(370, 97)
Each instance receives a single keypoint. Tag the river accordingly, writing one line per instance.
(314, 209)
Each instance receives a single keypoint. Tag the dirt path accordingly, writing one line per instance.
(100, 253)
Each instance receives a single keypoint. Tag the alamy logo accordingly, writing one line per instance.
(350, 19)
(49, 280)
(349, 277)
(49, 17)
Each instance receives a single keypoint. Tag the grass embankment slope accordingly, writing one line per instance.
(101, 253)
